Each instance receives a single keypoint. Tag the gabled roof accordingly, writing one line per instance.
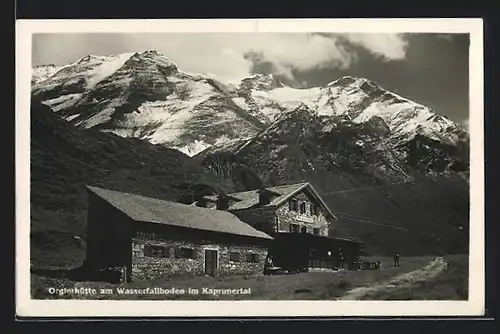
(250, 199)
(151, 210)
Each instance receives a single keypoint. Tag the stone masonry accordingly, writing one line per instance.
(147, 267)
(287, 217)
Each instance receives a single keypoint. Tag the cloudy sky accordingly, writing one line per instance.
(431, 69)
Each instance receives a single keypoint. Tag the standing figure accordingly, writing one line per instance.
(269, 265)
(341, 257)
(396, 259)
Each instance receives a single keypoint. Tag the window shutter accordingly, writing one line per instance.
(166, 252)
(234, 257)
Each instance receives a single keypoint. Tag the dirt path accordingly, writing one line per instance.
(434, 268)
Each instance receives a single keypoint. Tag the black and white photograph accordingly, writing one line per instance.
(264, 161)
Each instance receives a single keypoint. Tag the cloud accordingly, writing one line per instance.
(447, 37)
(228, 55)
(387, 46)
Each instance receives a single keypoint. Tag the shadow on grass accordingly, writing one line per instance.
(79, 274)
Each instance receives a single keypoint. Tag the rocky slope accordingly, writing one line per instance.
(145, 95)
(43, 72)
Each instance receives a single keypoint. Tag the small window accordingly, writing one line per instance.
(252, 257)
(311, 209)
(234, 257)
(303, 207)
(303, 229)
(160, 251)
(316, 230)
(293, 205)
(294, 228)
(316, 210)
(156, 251)
(184, 252)
(148, 251)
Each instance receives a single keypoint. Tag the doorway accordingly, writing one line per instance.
(211, 256)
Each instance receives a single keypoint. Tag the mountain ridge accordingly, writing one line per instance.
(259, 98)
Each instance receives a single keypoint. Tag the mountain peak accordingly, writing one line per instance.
(91, 58)
(260, 81)
(349, 80)
(152, 52)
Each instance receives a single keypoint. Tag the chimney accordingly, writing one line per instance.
(222, 202)
(266, 196)
(202, 202)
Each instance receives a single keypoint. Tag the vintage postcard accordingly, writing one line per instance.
(233, 168)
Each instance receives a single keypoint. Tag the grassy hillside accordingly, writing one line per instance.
(451, 284)
(425, 217)
(64, 159)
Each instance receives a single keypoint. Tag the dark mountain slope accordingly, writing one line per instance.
(65, 158)
(379, 198)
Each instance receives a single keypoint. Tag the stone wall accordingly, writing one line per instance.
(287, 217)
(263, 219)
(163, 266)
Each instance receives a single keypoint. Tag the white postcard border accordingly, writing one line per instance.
(25, 306)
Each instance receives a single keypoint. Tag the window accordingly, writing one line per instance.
(252, 257)
(293, 205)
(156, 251)
(303, 207)
(316, 230)
(294, 228)
(311, 209)
(316, 210)
(234, 257)
(184, 252)
(148, 250)
(303, 229)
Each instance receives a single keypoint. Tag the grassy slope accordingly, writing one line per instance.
(431, 216)
(452, 284)
(64, 159)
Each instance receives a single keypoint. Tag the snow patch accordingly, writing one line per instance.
(194, 148)
(72, 117)
(62, 102)
(240, 102)
(107, 68)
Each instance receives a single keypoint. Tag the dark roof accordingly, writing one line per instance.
(249, 199)
(151, 210)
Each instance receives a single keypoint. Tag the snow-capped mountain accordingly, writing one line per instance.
(43, 72)
(358, 100)
(145, 95)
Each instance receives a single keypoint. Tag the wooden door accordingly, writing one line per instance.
(211, 262)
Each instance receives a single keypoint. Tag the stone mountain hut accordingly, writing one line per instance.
(149, 238)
